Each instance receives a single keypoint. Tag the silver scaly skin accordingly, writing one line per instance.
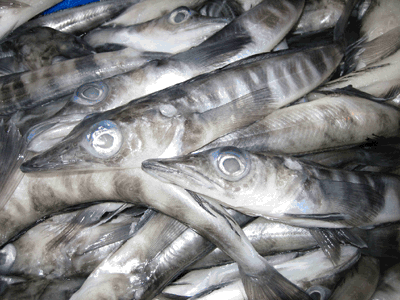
(324, 124)
(14, 13)
(248, 34)
(388, 288)
(283, 188)
(177, 31)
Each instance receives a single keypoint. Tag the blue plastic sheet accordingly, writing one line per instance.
(66, 4)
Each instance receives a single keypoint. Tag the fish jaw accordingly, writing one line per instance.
(172, 171)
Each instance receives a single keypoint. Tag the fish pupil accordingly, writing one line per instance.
(179, 17)
(231, 165)
(105, 141)
(91, 93)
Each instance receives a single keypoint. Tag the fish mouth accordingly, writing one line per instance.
(170, 171)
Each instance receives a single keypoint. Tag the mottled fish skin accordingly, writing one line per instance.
(20, 91)
(39, 46)
(14, 13)
(360, 282)
(319, 15)
(324, 124)
(63, 245)
(79, 20)
(174, 32)
(158, 253)
(309, 195)
(187, 116)
(388, 288)
(319, 271)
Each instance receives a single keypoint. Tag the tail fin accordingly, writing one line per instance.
(269, 284)
(338, 32)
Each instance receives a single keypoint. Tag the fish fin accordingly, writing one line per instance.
(270, 284)
(148, 214)
(328, 242)
(117, 234)
(166, 296)
(323, 217)
(12, 155)
(211, 53)
(210, 289)
(349, 237)
(366, 53)
(351, 91)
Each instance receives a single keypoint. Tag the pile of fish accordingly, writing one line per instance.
(200, 149)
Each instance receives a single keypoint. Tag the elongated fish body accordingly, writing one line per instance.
(319, 15)
(187, 116)
(381, 16)
(79, 20)
(268, 238)
(315, 126)
(65, 245)
(160, 250)
(15, 13)
(29, 89)
(283, 188)
(43, 289)
(174, 32)
(388, 288)
(319, 271)
(201, 59)
(360, 282)
(195, 282)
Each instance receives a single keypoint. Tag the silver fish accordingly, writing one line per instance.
(14, 13)
(20, 91)
(146, 263)
(284, 188)
(69, 244)
(327, 123)
(319, 269)
(174, 32)
(79, 20)
(360, 282)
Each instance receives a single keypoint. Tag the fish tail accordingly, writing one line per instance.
(339, 30)
(269, 284)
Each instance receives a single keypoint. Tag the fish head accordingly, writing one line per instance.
(220, 173)
(116, 139)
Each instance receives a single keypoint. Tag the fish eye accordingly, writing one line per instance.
(103, 140)
(91, 93)
(231, 163)
(179, 15)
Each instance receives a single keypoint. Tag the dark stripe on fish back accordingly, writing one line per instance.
(87, 66)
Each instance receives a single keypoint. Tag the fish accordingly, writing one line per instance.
(328, 123)
(319, 269)
(231, 43)
(69, 244)
(159, 252)
(174, 32)
(360, 282)
(19, 91)
(309, 195)
(388, 288)
(79, 20)
(14, 13)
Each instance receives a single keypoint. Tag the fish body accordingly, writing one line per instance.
(14, 13)
(388, 288)
(327, 123)
(284, 188)
(177, 31)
